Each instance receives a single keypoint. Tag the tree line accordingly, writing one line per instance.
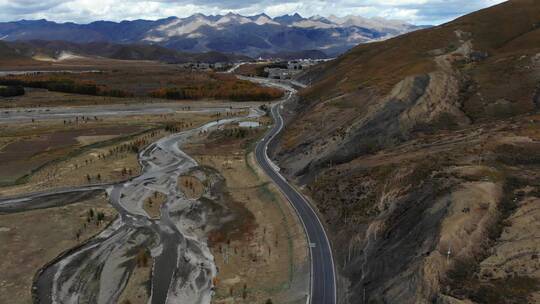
(220, 87)
(213, 86)
(62, 85)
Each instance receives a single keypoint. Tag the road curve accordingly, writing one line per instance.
(323, 277)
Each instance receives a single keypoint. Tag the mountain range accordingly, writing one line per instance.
(231, 33)
(57, 51)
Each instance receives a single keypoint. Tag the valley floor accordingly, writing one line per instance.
(260, 252)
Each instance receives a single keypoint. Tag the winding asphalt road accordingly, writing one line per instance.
(323, 277)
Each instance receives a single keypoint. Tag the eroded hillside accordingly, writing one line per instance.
(421, 154)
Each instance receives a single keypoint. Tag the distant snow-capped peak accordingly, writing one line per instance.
(180, 27)
(308, 23)
(264, 19)
(231, 18)
(190, 25)
(375, 23)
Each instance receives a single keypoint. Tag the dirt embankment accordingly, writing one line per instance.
(438, 216)
(447, 218)
(418, 103)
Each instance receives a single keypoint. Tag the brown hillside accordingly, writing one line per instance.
(421, 156)
(10, 57)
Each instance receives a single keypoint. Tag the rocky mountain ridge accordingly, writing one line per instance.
(231, 33)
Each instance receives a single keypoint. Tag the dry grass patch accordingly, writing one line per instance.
(37, 237)
(138, 288)
(152, 205)
(191, 186)
(111, 160)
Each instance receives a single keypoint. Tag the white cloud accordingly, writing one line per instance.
(282, 8)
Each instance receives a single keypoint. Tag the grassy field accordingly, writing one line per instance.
(95, 152)
(42, 236)
(24, 152)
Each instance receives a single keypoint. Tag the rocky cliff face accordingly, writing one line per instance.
(425, 167)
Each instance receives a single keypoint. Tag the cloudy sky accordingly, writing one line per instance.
(83, 11)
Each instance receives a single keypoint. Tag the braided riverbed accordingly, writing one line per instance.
(183, 267)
